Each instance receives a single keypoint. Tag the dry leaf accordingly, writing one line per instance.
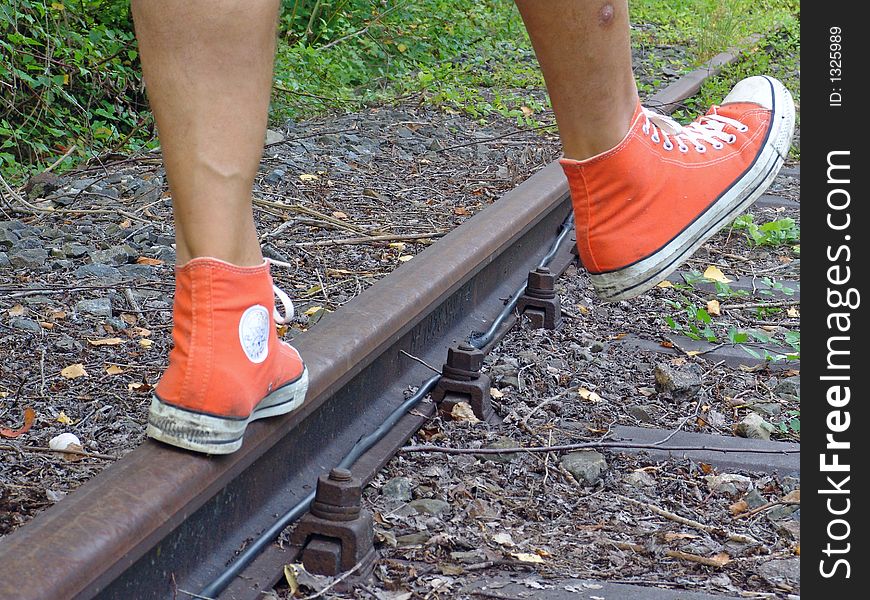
(588, 395)
(793, 313)
(714, 274)
(312, 310)
(144, 260)
(290, 572)
(106, 342)
(114, 370)
(73, 371)
(145, 343)
(461, 211)
(527, 557)
(721, 559)
(139, 386)
(398, 245)
(16, 311)
(62, 418)
(713, 308)
(496, 393)
(527, 111)
(793, 497)
(339, 215)
(29, 417)
(665, 284)
(463, 412)
(406, 258)
(738, 507)
(308, 177)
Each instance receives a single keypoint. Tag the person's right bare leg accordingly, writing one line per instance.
(646, 191)
(584, 51)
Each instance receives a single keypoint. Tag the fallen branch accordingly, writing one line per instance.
(695, 558)
(734, 537)
(372, 238)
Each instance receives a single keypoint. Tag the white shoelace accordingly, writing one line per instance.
(709, 129)
(289, 311)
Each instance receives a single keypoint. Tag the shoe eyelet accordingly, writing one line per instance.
(731, 139)
(700, 148)
(645, 129)
(668, 145)
(655, 137)
(683, 148)
(743, 128)
(718, 145)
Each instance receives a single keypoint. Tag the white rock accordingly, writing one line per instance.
(64, 441)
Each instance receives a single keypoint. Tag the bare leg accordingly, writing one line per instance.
(208, 73)
(584, 50)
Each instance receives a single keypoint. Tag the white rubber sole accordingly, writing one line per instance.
(218, 435)
(647, 273)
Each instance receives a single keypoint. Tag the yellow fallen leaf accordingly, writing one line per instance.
(793, 313)
(665, 284)
(114, 341)
(145, 260)
(588, 395)
(527, 557)
(527, 111)
(406, 258)
(62, 418)
(463, 412)
(145, 343)
(398, 245)
(714, 274)
(290, 572)
(401, 47)
(114, 370)
(16, 311)
(339, 215)
(73, 371)
(496, 393)
(713, 308)
(312, 310)
(309, 177)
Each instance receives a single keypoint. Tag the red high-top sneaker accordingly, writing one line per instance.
(227, 366)
(643, 207)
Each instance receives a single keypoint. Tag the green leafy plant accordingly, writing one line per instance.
(773, 233)
(69, 82)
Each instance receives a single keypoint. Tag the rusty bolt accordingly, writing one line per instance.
(338, 495)
(464, 362)
(541, 284)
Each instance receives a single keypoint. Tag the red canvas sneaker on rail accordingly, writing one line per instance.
(643, 207)
(227, 366)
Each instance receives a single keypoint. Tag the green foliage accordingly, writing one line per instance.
(69, 76)
(773, 233)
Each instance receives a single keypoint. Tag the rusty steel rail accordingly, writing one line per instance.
(161, 520)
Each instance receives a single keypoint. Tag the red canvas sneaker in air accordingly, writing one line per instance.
(227, 366)
(644, 206)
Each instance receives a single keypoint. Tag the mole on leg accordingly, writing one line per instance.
(605, 15)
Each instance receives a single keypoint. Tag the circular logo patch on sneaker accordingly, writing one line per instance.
(254, 333)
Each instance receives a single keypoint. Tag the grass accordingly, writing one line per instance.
(466, 56)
